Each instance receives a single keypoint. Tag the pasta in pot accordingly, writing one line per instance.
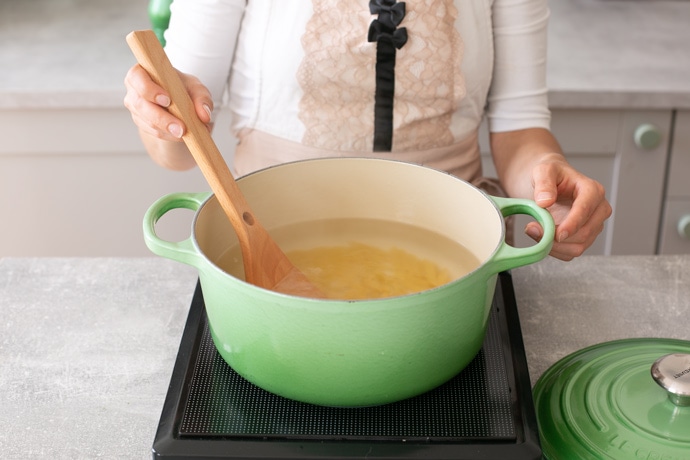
(362, 271)
(354, 259)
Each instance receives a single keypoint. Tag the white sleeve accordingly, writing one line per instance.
(518, 95)
(201, 39)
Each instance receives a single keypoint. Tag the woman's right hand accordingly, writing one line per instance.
(160, 131)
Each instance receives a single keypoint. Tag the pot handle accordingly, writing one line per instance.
(507, 256)
(182, 251)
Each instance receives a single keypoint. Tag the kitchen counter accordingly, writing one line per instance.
(87, 345)
(602, 53)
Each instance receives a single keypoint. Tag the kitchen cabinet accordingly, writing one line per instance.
(627, 151)
(674, 231)
(83, 185)
(77, 182)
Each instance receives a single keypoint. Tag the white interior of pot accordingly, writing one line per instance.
(359, 188)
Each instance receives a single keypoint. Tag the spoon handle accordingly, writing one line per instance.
(265, 264)
(151, 56)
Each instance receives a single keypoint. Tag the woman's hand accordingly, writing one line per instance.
(530, 165)
(160, 131)
(577, 203)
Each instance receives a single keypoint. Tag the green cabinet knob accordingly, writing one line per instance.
(647, 136)
(684, 226)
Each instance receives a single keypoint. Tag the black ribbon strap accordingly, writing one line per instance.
(388, 37)
(378, 32)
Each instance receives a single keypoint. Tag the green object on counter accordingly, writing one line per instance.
(159, 16)
(603, 402)
(351, 352)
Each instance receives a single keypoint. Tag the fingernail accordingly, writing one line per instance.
(544, 196)
(562, 236)
(208, 110)
(175, 130)
(533, 232)
(162, 100)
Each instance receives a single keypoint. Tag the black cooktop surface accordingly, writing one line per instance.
(485, 412)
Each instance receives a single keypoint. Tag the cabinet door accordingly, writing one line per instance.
(637, 189)
(81, 187)
(674, 236)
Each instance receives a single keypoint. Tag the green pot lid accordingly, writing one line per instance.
(626, 399)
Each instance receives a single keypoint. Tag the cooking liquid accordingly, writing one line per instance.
(366, 258)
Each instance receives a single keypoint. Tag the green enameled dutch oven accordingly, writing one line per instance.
(620, 400)
(339, 352)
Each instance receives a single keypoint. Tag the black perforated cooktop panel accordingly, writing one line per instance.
(484, 412)
(475, 404)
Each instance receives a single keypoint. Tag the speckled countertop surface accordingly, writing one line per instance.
(66, 53)
(87, 345)
(602, 53)
(619, 54)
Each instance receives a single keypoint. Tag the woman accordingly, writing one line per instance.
(404, 80)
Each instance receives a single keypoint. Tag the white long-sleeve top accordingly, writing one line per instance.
(304, 71)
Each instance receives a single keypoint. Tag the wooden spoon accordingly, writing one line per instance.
(265, 264)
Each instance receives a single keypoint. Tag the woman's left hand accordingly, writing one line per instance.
(577, 203)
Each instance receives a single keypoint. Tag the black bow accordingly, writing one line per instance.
(391, 13)
(378, 31)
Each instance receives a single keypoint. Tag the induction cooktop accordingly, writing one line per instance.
(485, 412)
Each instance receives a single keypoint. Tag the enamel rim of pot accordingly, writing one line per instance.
(608, 401)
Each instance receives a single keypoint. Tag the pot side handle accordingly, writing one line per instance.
(182, 251)
(507, 256)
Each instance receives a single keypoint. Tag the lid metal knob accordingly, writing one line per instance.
(672, 372)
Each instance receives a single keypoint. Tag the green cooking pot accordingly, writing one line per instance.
(340, 352)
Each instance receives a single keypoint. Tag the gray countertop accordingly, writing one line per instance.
(619, 54)
(602, 53)
(87, 345)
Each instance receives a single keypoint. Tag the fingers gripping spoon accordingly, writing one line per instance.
(265, 264)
